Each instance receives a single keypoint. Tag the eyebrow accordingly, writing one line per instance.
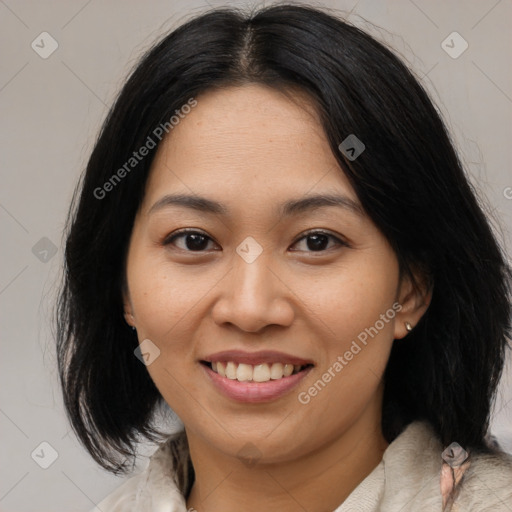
(289, 208)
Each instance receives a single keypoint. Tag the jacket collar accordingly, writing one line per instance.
(406, 479)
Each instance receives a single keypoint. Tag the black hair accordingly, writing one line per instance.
(409, 180)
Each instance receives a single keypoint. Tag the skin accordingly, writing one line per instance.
(252, 148)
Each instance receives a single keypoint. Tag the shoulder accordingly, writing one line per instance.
(414, 474)
(487, 484)
(155, 488)
(122, 499)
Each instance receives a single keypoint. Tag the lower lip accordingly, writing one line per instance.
(255, 392)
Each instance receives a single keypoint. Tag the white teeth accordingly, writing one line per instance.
(288, 369)
(276, 372)
(244, 372)
(261, 373)
(258, 373)
(221, 369)
(231, 370)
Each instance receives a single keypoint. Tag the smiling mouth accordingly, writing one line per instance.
(254, 373)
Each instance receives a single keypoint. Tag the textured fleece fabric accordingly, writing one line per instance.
(408, 479)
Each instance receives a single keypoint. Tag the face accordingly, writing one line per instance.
(265, 281)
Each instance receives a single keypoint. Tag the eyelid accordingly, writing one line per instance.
(320, 231)
(175, 234)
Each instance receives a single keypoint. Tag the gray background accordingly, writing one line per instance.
(51, 110)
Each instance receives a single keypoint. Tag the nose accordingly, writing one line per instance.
(253, 297)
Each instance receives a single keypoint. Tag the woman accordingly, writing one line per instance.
(356, 374)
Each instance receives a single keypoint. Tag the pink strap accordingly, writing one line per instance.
(450, 479)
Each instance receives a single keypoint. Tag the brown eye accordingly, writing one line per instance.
(318, 241)
(193, 241)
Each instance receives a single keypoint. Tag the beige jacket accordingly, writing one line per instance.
(408, 479)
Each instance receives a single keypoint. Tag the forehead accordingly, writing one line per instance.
(247, 142)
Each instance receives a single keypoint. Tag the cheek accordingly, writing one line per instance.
(355, 350)
(162, 296)
(165, 303)
(357, 338)
(351, 299)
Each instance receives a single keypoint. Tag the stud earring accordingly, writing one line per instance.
(133, 328)
(408, 326)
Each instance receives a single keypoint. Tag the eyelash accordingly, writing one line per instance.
(170, 239)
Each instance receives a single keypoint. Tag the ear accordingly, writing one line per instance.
(128, 308)
(414, 300)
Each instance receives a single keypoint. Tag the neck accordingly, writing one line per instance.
(316, 482)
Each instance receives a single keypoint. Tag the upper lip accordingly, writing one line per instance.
(254, 358)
